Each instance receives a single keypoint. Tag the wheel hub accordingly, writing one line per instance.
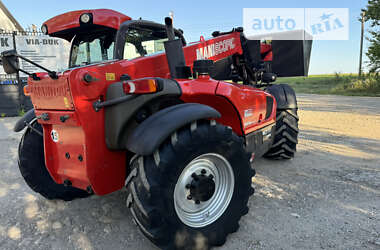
(202, 187)
(204, 190)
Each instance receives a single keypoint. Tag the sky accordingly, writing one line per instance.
(198, 18)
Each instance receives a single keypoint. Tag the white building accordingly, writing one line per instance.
(7, 21)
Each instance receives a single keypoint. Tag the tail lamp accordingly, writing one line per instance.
(142, 86)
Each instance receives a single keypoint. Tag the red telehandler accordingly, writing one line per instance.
(141, 109)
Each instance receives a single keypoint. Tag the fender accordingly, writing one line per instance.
(284, 95)
(149, 135)
(23, 121)
(117, 117)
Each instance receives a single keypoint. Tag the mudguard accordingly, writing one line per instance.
(117, 117)
(284, 95)
(27, 118)
(149, 135)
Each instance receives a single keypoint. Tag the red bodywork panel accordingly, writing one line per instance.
(70, 20)
(250, 103)
(266, 52)
(243, 108)
(82, 135)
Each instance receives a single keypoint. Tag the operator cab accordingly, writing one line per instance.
(140, 40)
(102, 35)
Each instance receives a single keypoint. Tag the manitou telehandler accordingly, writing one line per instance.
(140, 108)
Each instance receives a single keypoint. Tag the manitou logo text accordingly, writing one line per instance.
(215, 49)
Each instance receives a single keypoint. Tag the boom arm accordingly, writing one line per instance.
(235, 58)
(250, 61)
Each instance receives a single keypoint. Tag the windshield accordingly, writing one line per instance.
(98, 47)
(88, 49)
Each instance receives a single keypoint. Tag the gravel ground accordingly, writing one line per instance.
(327, 197)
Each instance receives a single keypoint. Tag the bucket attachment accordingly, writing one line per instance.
(291, 57)
(291, 52)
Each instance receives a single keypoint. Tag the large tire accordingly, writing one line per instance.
(286, 138)
(31, 163)
(155, 182)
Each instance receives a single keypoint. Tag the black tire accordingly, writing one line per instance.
(286, 137)
(31, 163)
(152, 181)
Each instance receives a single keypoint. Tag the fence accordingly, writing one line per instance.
(12, 99)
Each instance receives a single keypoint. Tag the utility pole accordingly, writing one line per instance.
(361, 44)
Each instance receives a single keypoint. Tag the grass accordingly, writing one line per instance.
(338, 84)
(21, 112)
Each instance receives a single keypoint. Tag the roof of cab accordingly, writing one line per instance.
(64, 25)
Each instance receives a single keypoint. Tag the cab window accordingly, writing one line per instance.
(90, 50)
(144, 42)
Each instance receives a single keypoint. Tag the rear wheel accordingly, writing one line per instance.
(32, 167)
(192, 192)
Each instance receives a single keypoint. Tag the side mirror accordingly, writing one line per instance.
(10, 61)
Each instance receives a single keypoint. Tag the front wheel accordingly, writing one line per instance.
(192, 192)
(286, 137)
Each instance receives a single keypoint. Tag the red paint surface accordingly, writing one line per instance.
(266, 52)
(203, 90)
(246, 98)
(70, 20)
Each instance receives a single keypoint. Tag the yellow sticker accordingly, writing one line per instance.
(110, 77)
(66, 101)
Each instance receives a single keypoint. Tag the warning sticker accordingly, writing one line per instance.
(110, 77)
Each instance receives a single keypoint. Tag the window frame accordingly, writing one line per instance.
(77, 37)
(119, 37)
(124, 28)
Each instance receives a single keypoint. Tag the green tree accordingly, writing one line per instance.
(372, 13)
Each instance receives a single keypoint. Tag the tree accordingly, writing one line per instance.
(372, 13)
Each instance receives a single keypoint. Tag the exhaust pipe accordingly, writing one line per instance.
(169, 28)
(174, 54)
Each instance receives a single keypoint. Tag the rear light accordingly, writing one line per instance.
(27, 90)
(142, 86)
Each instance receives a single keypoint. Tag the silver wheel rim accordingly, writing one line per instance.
(206, 212)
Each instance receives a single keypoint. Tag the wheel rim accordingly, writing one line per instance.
(204, 190)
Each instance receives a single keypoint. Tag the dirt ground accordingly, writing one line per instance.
(327, 197)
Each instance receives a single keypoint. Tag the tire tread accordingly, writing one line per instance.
(286, 136)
